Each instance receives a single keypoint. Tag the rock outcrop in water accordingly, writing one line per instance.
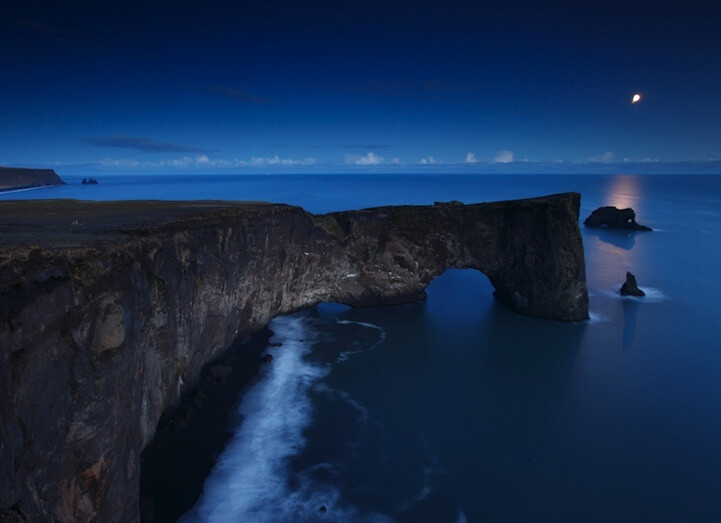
(614, 218)
(17, 178)
(630, 287)
(99, 321)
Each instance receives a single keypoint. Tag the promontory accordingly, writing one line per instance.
(105, 306)
(13, 178)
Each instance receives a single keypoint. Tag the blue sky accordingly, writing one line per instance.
(354, 86)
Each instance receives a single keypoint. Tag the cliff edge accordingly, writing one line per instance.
(12, 178)
(105, 306)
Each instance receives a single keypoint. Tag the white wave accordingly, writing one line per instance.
(595, 317)
(343, 356)
(250, 481)
(653, 295)
(361, 323)
(11, 191)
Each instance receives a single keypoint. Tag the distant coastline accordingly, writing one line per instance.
(26, 188)
(17, 178)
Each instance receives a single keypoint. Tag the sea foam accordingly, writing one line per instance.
(596, 317)
(252, 479)
(343, 356)
(248, 481)
(653, 295)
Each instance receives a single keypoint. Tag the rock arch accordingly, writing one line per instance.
(109, 316)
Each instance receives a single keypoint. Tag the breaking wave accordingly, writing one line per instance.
(252, 479)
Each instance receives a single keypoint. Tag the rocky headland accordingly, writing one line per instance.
(106, 306)
(13, 178)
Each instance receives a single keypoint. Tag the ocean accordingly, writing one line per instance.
(457, 409)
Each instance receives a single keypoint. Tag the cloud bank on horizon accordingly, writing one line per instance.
(345, 88)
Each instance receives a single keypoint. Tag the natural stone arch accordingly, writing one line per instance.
(530, 250)
(110, 317)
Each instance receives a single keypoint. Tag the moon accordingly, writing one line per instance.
(636, 98)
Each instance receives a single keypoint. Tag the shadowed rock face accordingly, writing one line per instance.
(614, 218)
(99, 320)
(630, 287)
(17, 178)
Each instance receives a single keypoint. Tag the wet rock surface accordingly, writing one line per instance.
(104, 326)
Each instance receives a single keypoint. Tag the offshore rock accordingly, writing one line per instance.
(630, 287)
(614, 218)
(102, 324)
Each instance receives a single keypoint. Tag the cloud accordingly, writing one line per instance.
(369, 159)
(237, 94)
(275, 163)
(606, 157)
(429, 160)
(122, 164)
(140, 144)
(470, 158)
(204, 161)
(503, 156)
(276, 160)
(201, 160)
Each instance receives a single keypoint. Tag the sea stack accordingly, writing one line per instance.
(630, 287)
(615, 218)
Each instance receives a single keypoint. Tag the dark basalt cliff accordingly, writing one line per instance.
(105, 306)
(18, 178)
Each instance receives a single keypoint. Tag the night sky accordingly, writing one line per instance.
(355, 86)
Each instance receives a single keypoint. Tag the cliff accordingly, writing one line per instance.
(17, 178)
(104, 306)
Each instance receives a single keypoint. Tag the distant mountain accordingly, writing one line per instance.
(19, 178)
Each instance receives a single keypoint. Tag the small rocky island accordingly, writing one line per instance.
(14, 178)
(630, 287)
(100, 322)
(614, 218)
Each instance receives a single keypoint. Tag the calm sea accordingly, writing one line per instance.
(456, 409)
